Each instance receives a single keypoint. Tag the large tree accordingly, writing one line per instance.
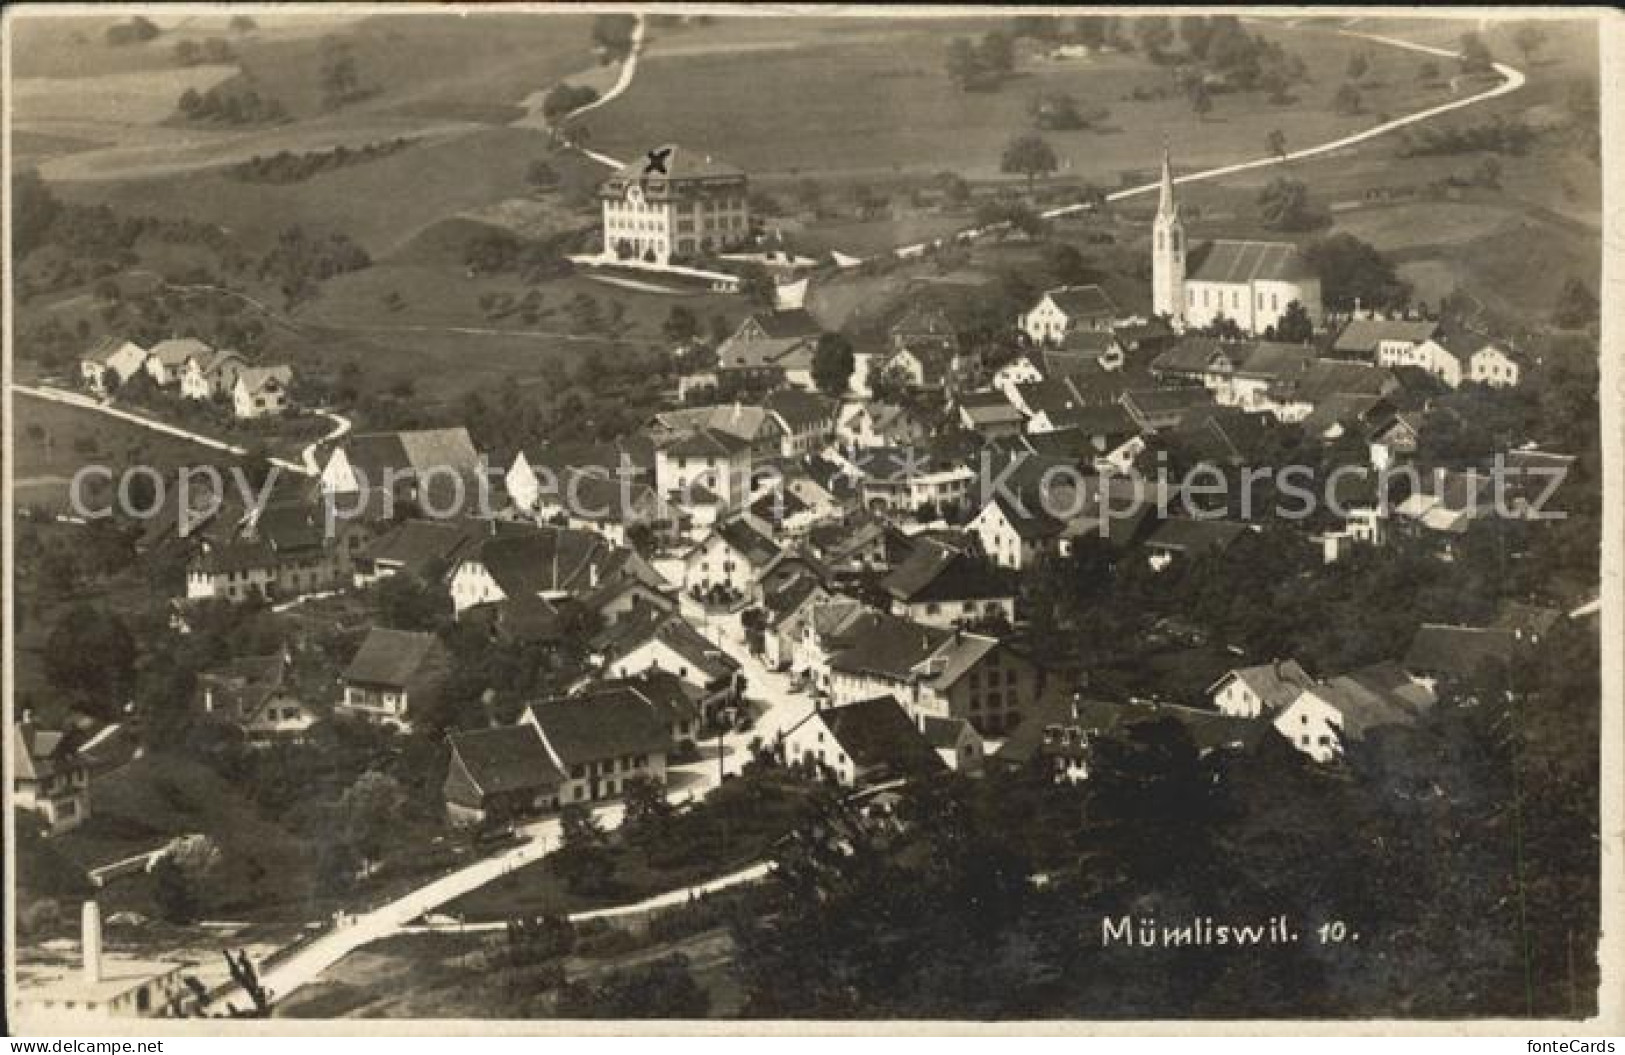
(90, 655)
(1353, 271)
(1284, 205)
(1029, 155)
(371, 810)
(833, 362)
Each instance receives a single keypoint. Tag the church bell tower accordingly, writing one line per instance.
(1168, 252)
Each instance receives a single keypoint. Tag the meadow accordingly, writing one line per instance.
(877, 101)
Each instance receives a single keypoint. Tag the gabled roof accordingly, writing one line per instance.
(586, 729)
(176, 350)
(1274, 360)
(885, 645)
(706, 443)
(801, 410)
(255, 378)
(935, 572)
(548, 560)
(1234, 260)
(1389, 679)
(1323, 378)
(1361, 708)
(372, 454)
(1082, 301)
(1028, 519)
(1463, 652)
(500, 761)
(236, 556)
(1194, 537)
(989, 408)
(1085, 343)
(743, 421)
(679, 163)
(778, 325)
(1361, 336)
(394, 658)
(242, 686)
(943, 733)
(107, 347)
(418, 544)
(676, 634)
(743, 538)
(1193, 355)
(1276, 684)
(1523, 618)
(38, 754)
(878, 734)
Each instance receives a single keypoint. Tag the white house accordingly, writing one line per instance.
(1265, 689)
(209, 374)
(732, 555)
(1065, 309)
(1012, 375)
(167, 359)
(1324, 719)
(1494, 367)
(861, 743)
(703, 463)
(1012, 536)
(872, 424)
(122, 359)
(261, 391)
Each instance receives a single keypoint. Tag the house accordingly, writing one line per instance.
(236, 570)
(923, 326)
(1383, 342)
(499, 774)
(679, 703)
(599, 744)
(692, 205)
(590, 500)
(933, 671)
(1186, 538)
(706, 463)
(873, 424)
(1456, 356)
(425, 549)
(1158, 409)
(770, 349)
(543, 563)
(544, 473)
(403, 465)
(806, 420)
(1393, 439)
(758, 428)
(1015, 533)
(989, 414)
(941, 586)
(111, 360)
(790, 608)
(1446, 502)
(1061, 735)
(1010, 377)
(48, 777)
(906, 481)
(1529, 623)
(1081, 348)
(1065, 310)
(1326, 718)
(668, 643)
(861, 744)
(167, 359)
(390, 670)
(256, 695)
(211, 373)
(1259, 691)
(731, 557)
(1464, 656)
(956, 742)
(288, 548)
(1295, 395)
(261, 391)
(1494, 366)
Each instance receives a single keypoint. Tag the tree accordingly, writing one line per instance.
(1475, 54)
(1488, 173)
(662, 988)
(1352, 271)
(370, 810)
(756, 285)
(1201, 99)
(583, 859)
(1347, 100)
(1155, 34)
(1031, 156)
(1359, 66)
(1275, 143)
(997, 54)
(1295, 327)
(648, 811)
(172, 893)
(1529, 39)
(187, 52)
(541, 176)
(612, 35)
(339, 76)
(1576, 306)
(1284, 205)
(833, 362)
(1427, 72)
(963, 66)
(682, 326)
(101, 685)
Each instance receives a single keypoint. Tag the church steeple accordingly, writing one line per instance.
(1168, 250)
(1167, 208)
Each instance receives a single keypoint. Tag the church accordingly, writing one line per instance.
(1249, 282)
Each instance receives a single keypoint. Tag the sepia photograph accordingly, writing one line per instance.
(759, 519)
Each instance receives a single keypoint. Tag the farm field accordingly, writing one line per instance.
(883, 95)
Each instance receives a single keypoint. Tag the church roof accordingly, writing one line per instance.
(1232, 261)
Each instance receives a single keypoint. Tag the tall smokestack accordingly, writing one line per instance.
(91, 925)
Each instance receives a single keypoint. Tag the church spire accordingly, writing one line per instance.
(1165, 204)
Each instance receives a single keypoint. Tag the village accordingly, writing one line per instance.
(834, 568)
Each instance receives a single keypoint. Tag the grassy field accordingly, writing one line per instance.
(877, 100)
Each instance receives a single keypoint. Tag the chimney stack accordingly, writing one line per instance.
(91, 947)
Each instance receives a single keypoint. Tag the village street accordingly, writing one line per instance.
(771, 690)
(300, 968)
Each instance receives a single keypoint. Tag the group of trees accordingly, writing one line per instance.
(1029, 155)
(1352, 271)
(1060, 112)
(612, 36)
(1284, 205)
(137, 30)
(1498, 135)
(981, 66)
(299, 262)
(566, 98)
(1221, 46)
(287, 167)
(339, 74)
(231, 104)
